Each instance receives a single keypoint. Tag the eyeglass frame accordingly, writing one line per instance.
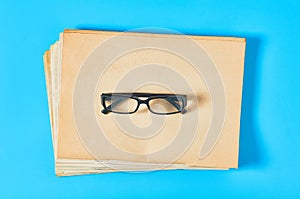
(150, 96)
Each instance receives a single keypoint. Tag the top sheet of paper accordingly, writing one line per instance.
(207, 69)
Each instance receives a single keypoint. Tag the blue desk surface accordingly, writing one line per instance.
(270, 133)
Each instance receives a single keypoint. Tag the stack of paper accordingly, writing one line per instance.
(83, 64)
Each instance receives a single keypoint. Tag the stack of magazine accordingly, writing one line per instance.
(110, 95)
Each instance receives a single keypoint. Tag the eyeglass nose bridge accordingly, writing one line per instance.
(143, 101)
(146, 102)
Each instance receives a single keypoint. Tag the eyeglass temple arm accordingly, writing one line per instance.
(115, 103)
(174, 103)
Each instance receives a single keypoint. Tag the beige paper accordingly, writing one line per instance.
(227, 55)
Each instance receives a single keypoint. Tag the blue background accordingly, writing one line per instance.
(270, 133)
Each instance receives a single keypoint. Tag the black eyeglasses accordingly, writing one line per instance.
(128, 103)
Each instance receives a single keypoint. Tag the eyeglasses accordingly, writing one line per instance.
(128, 103)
